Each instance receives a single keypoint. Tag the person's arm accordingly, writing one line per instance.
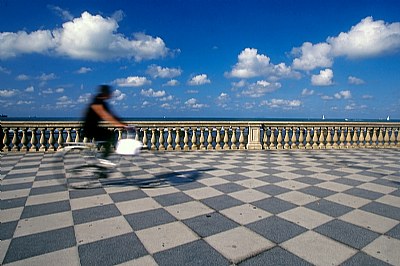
(106, 116)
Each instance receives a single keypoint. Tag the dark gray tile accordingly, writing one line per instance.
(112, 251)
(50, 177)
(309, 180)
(128, 195)
(272, 190)
(396, 193)
(172, 199)
(12, 203)
(210, 224)
(275, 256)
(221, 202)
(7, 229)
(189, 185)
(46, 208)
(235, 177)
(16, 186)
(317, 191)
(271, 179)
(382, 209)
(365, 260)
(349, 234)
(363, 193)
(276, 229)
(37, 244)
(386, 182)
(95, 213)
(48, 189)
(394, 232)
(147, 219)
(302, 172)
(81, 193)
(194, 253)
(274, 205)
(348, 181)
(328, 207)
(20, 175)
(229, 187)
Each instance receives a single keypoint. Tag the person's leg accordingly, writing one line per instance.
(109, 137)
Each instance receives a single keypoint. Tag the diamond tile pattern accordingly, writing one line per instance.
(336, 207)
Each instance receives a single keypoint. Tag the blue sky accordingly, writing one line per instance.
(210, 58)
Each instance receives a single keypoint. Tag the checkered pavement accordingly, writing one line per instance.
(206, 208)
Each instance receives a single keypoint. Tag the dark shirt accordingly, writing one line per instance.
(92, 119)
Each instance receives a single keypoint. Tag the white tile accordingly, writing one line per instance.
(8, 215)
(253, 174)
(188, 210)
(213, 181)
(142, 261)
(153, 192)
(305, 217)
(377, 188)
(203, 193)
(384, 248)
(249, 195)
(369, 220)
(390, 200)
(137, 205)
(297, 197)
(245, 214)
(65, 257)
(334, 186)
(43, 223)
(318, 249)
(238, 244)
(93, 201)
(362, 178)
(101, 229)
(251, 183)
(47, 198)
(13, 194)
(292, 184)
(4, 244)
(12, 181)
(348, 200)
(166, 236)
(324, 176)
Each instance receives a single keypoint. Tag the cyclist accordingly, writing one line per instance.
(98, 111)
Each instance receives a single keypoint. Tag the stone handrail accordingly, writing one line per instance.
(32, 136)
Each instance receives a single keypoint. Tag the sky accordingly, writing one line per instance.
(202, 58)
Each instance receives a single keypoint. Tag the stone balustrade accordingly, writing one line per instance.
(31, 136)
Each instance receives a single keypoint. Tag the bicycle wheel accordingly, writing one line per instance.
(82, 168)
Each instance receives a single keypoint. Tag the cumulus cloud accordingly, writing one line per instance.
(163, 72)
(324, 78)
(8, 93)
(84, 70)
(133, 81)
(89, 37)
(251, 64)
(343, 95)
(152, 93)
(281, 103)
(199, 80)
(193, 104)
(307, 92)
(30, 89)
(260, 88)
(172, 83)
(355, 81)
(312, 56)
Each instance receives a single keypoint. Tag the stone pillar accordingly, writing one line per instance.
(254, 137)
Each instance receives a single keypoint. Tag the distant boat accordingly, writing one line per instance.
(388, 118)
(323, 117)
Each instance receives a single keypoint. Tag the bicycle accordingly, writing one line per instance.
(84, 167)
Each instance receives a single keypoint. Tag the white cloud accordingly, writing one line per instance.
(118, 95)
(4, 70)
(89, 37)
(367, 38)
(85, 98)
(84, 70)
(199, 80)
(343, 95)
(307, 92)
(281, 103)
(47, 77)
(260, 88)
(60, 90)
(251, 64)
(312, 56)
(160, 72)
(355, 81)
(30, 89)
(171, 83)
(133, 81)
(367, 97)
(64, 14)
(22, 77)
(152, 93)
(193, 104)
(326, 97)
(324, 78)
(8, 93)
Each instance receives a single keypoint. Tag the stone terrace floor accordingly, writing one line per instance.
(309, 207)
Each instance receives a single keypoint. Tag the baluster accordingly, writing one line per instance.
(398, 138)
(286, 139)
(153, 139)
(386, 138)
(43, 140)
(342, 138)
(380, 137)
(209, 139)
(315, 138)
(355, 143)
(177, 139)
(77, 135)
(328, 138)
(145, 140)
(322, 138)
(218, 139)
(242, 146)
(301, 138)
(348, 138)
(120, 132)
(234, 139)
(186, 139)
(279, 140)
(137, 134)
(60, 140)
(368, 137)
(308, 138)
(335, 138)
(202, 139)
(52, 140)
(272, 139)
(161, 140)
(265, 138)
(169, 140)
(361, 138)
(194, 139)
(374, 137)
(34, 140)
(294, 145)
(24, 140)
(6, 140)
(392, 138)
(226, 139)
(15, 140)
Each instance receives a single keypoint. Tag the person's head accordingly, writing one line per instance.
(105, 91)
